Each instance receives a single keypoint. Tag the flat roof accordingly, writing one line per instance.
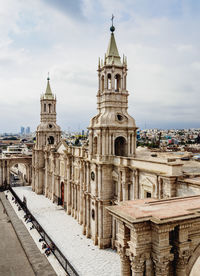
(158, 211)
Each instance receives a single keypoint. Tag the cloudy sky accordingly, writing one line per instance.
(65, 37)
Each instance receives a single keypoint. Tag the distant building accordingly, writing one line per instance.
(22, 130)
(28, 130)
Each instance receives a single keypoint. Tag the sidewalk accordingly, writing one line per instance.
(38, 261)
(65, 231)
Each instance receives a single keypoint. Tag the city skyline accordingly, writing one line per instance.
(160, 41)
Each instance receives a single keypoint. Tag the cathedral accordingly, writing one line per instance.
(89, 180)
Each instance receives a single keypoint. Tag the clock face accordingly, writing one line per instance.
(92, 176)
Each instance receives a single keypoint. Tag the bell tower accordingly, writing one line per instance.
(112, 132)
(48, 136)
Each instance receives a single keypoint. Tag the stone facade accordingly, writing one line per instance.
(87, 180)
(158, 237)
(48, 135)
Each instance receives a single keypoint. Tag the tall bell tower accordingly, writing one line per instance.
(112, 131)
(48, 136)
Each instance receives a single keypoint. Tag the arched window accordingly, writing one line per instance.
(102, 83)
(117, 82)
(51, 140)
(120, 146)
(95, 145)
(44, 107)
(49, 108)
(109, 81)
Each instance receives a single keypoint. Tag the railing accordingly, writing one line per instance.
(56, 251)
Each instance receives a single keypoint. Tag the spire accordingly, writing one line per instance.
(48, 94)
(112, 55)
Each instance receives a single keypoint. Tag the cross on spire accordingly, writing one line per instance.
(48, 76)
(112, 18)
(112, 28)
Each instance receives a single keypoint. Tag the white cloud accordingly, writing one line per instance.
(162, 51)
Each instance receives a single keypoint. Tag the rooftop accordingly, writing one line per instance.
(158, 211)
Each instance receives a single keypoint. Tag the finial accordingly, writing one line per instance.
(112, 28)
(48, 77)
(99, 65)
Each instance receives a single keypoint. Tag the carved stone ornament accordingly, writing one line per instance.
(137, 263)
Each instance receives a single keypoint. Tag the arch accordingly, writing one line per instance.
(117, 82)
(62, 193)
(109, 81)
(192, 260)
(44, 107)
(51, 140)
(120, 146)
(102, 83)
(12, 163)
(95, 145)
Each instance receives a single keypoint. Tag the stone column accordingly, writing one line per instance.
(72, 199)
(99, 180)
(120, 186)
(110, 145)
(113, 232)
(103, 142)
(68, 188)
(88, 217)
(8, 173)
(125, 190)
(125, 265)
(161, 249)
(183, 250)
(100, 225)
(75, 201)
(46, 177)
(81, 195)
(137, 184)
(134, 142)
(161, 265)
(137, 265)
(96, 223)
(128, 144)
(84, 214)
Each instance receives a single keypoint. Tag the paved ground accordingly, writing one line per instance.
(66, 233)
(13, 260)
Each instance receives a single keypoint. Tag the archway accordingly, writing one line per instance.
(19, 175)
(193, 263)
(120, 146)
(18, 166)
(62, 193)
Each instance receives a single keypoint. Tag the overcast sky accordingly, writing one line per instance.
(65, 37)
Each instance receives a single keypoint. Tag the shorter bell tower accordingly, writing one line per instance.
(112, 132)
(48, 135)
